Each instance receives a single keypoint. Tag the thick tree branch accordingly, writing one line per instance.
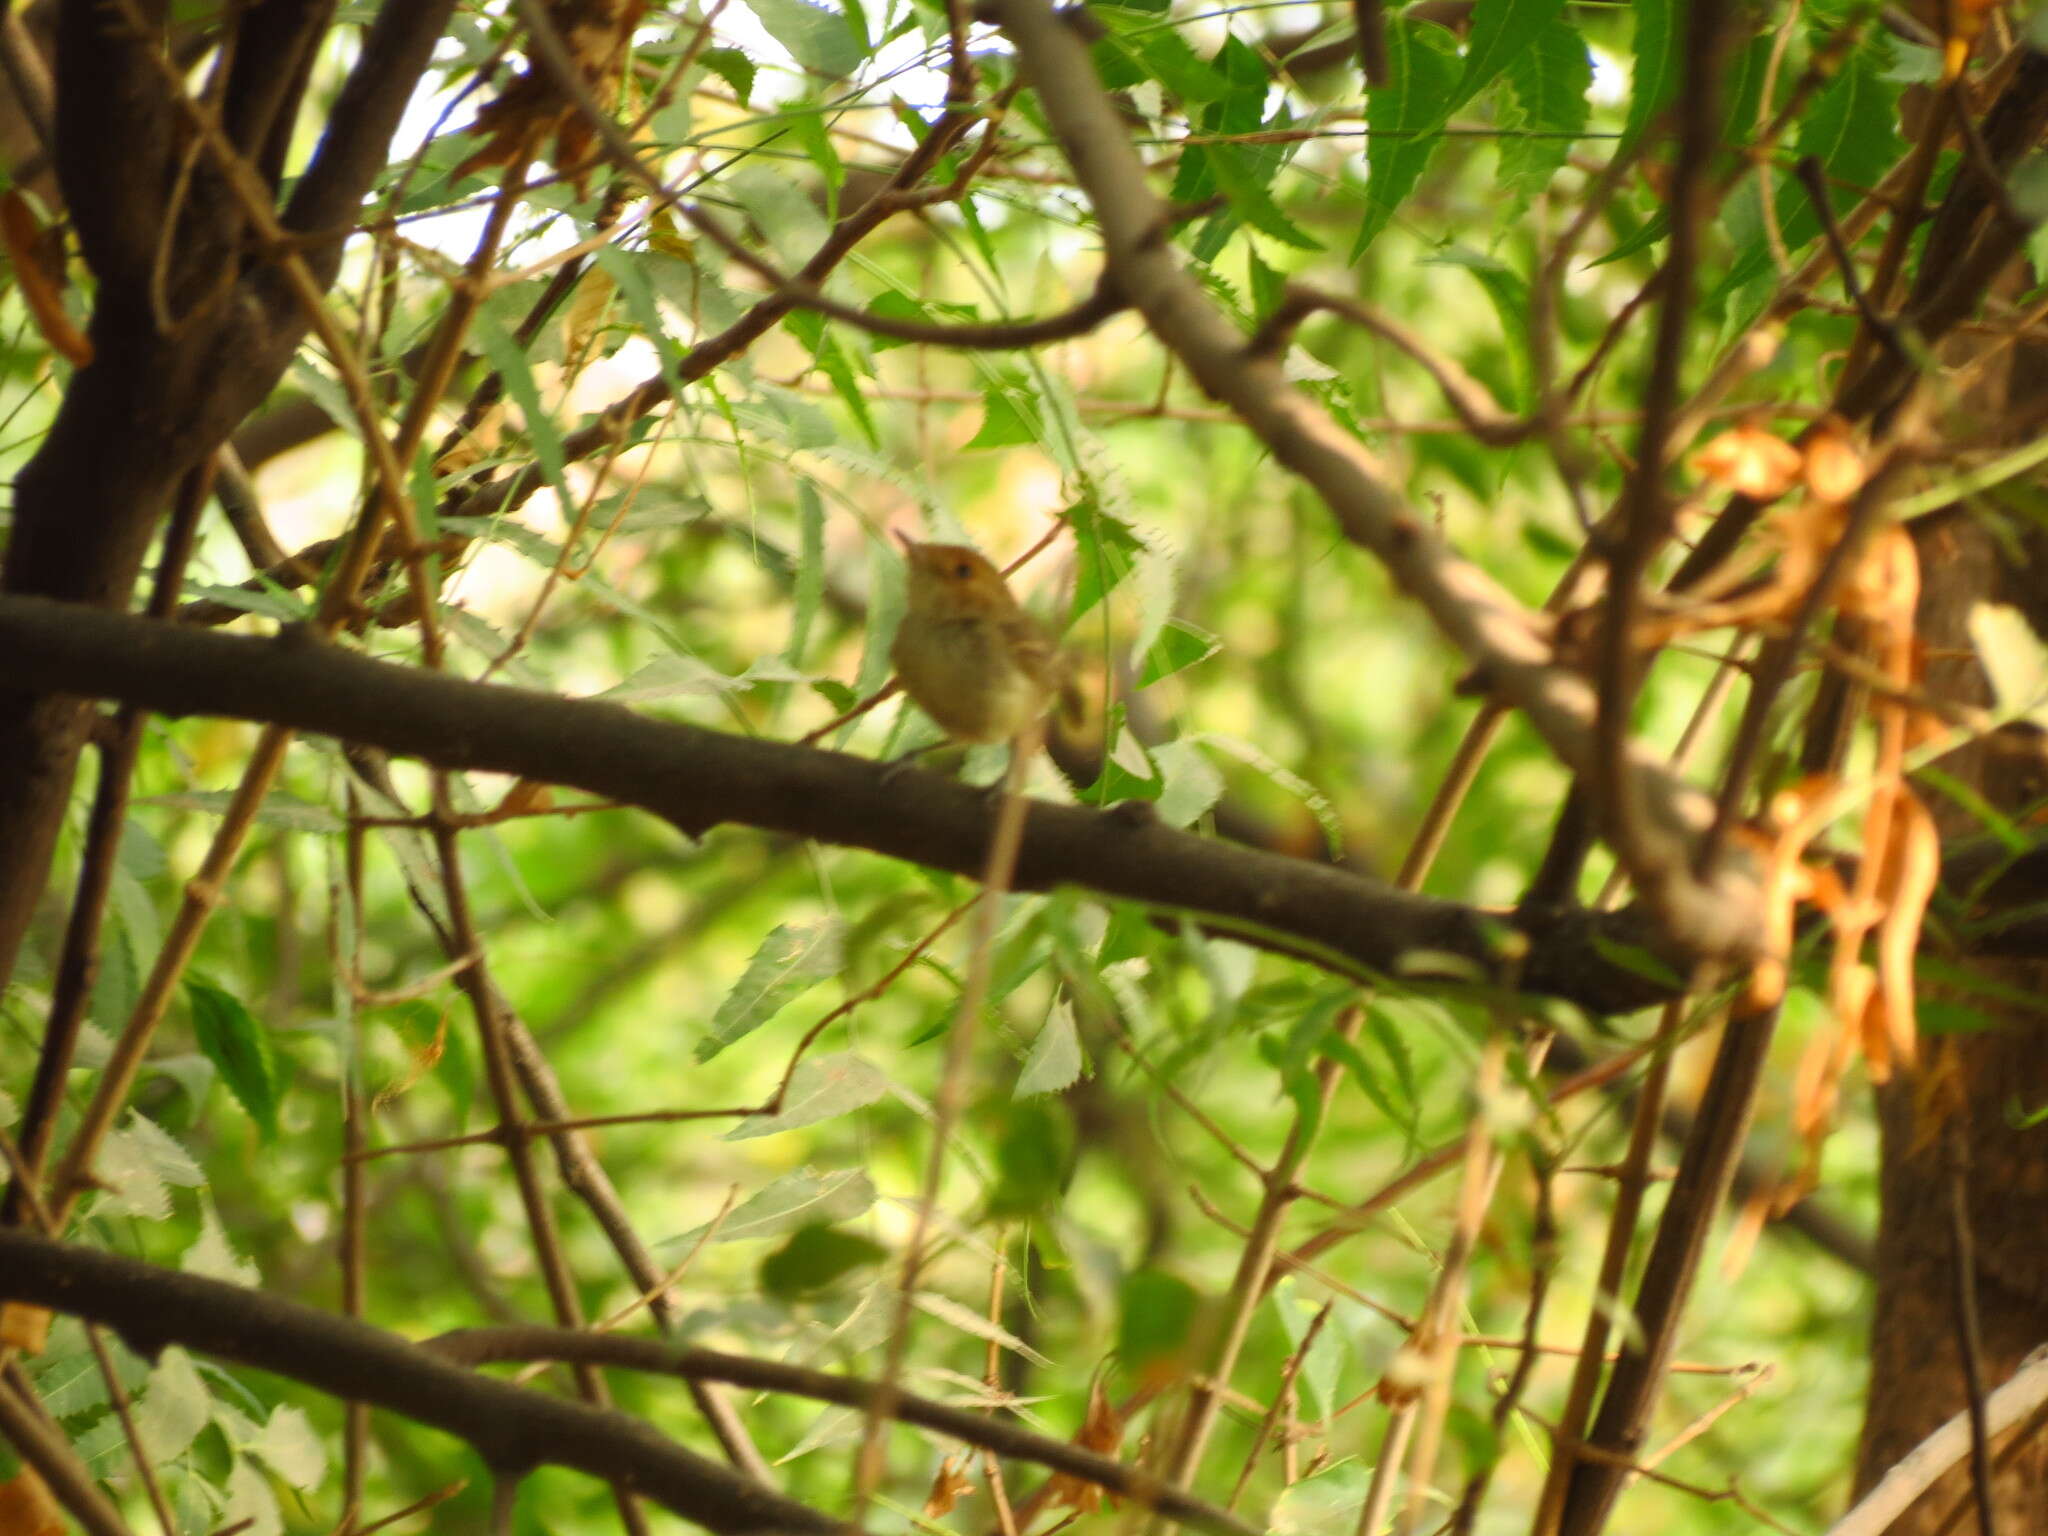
(481, 1346)
(114, 139)
(512, 1429)
(698, 779)
(1507, 644)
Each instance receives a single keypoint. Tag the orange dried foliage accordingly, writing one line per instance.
(1102, 1432)
(1749, 461)
(24, 1327)
(26, 1508)
(41, 281)
(948, 1487)
(597, 34)
(1886, 902)
(1832, 467)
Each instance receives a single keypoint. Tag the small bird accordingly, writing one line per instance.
(968, 654)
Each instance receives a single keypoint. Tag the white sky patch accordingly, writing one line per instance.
(895, 70)
(1610, 80)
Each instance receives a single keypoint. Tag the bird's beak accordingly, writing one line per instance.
(904, 539)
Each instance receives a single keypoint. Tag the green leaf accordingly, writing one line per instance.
(175, 1406)
(1055, 1060)
(1852, 129)
(839, 366)
(1318, 803)
(239, 1048)
(1656, 58)
(821, 1088)
(1104, 551)
(1508, 292)
(819, 39)
(1243, 172)
(1180, 645)
(1191, 785)
(1009, 415)
(791, 960)
(1404, 121)
(885, 612)
(1502, 31)
(1548, 79)
(807, 125)
(503, 352)
(792, 1201)
(1034, 1159)
(291, 1447)
(810, 569)
(813, 1257)
(1156, 1318)
(733, 67)
(1153, 52)
(1243, 178)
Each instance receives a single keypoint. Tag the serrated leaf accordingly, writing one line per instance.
(213, 1255)
(290, 1446)
(1508, 293)
(666, 677)
(276, 810)
(175, 1406)
(1009, 415)
(969, 1321)
(1055, 1059)
(240, 1048)
(807, 125)
(1548, 80)
(1318, 803)
(813, 1258)
(1105, 552)
(792, 1201)
(791, 960)
(733, 67)
(502, 350)
(1852, 129)
(1180, 645)
(1191, 783)
(1404, 121)
(250, 1506)
(809, 584)
(1162, 54)
(1502, 31)
(885, 613)
(821, 1088)
(819, 39)
(1656, 56)
(1243, 179)
(165, 1154)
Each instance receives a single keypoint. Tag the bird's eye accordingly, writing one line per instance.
(963, 570)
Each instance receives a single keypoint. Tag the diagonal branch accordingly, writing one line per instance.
(481, 1346)
(1504, 641)
(512, 1429)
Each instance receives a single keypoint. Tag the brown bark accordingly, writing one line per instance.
(1956, 1123)
(191, 330)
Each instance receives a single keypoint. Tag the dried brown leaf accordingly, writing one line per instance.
(952, 1482)
(26, 1507)
(1749, 460)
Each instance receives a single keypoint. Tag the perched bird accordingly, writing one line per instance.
(968, 654)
